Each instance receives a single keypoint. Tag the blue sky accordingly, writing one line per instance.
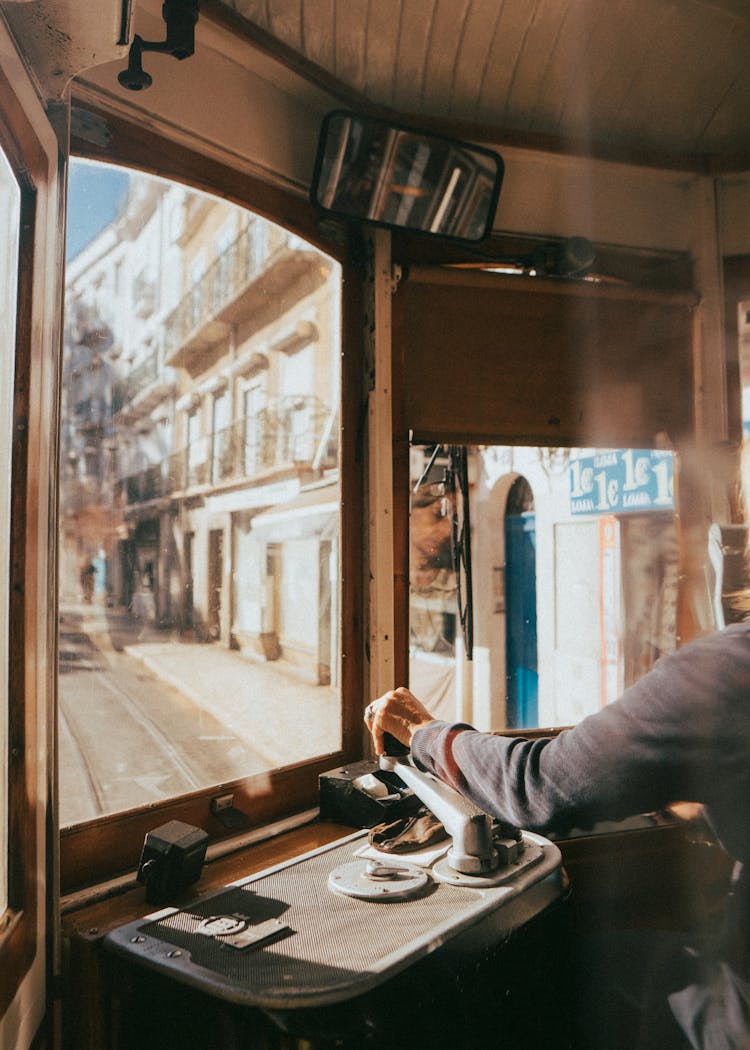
(94, 193)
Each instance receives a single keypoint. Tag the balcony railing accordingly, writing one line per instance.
(228, 275)
(143, 375)
(288, 432)
(145, 486)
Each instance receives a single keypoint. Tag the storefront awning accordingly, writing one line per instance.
(311, 514)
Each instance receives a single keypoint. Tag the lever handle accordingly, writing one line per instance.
(470, 828)
(393, 747)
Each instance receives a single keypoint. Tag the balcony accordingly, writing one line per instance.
(246, 280)
(144, 387)
(247, 448)
(147, 485)
(144, 296)
(285, 434)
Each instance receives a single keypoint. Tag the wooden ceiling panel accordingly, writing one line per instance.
(319, 41)
(349, 30)
(568, 70)
(510, 31)
(285, 22)
(663, 77)
(474, 57)
(411, 56)
(526, 103)
(680, 79)
(446, 33)
(381, 45)
(731, 112)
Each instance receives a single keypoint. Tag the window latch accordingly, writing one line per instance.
(225, 811)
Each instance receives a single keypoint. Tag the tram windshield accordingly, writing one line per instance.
(199, 495)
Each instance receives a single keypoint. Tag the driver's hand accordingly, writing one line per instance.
(397, 712)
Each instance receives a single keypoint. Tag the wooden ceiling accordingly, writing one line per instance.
(663, 81)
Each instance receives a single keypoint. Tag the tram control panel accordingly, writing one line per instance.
(337, 922)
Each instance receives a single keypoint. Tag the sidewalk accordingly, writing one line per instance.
(281, 716)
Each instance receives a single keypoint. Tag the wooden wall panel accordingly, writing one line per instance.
(527, 361)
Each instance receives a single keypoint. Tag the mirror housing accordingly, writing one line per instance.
(401, 178)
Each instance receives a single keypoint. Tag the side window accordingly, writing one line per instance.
(199, 502)
(573, 577)
(221, 437)
(254, 423)
(195, 449)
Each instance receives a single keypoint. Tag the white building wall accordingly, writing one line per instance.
(569, 591)
(298, 610)
(571, 688)
(248, 582)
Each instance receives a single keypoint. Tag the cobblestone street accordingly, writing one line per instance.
(144, 716)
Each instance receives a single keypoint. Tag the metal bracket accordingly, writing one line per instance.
(225, 811)
(180, 17)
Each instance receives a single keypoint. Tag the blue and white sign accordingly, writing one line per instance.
(622, 481)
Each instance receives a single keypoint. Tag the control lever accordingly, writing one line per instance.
(393, 747)
(472, 852)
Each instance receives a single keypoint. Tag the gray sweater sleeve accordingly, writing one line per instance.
(681, 733)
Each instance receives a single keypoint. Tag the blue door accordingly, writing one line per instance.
(520, 620)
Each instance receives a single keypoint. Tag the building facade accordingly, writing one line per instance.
(201, 425)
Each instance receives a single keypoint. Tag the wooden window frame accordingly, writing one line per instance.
(29, 159)
(102, 848)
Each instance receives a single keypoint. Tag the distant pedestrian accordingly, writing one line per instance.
(87, 582)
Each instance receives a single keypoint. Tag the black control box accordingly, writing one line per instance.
(172, 859)
(345, 798)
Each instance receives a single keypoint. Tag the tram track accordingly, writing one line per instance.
(94, 792)
(132, 734)
(118, 710)
(154, 731)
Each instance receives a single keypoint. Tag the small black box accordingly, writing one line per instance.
(342, 802)
(172, 859)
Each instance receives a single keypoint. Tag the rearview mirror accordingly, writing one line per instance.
(398, 177)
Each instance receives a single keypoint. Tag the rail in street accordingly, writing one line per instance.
(132, 732)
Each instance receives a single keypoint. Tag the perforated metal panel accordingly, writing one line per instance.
(335, 946)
